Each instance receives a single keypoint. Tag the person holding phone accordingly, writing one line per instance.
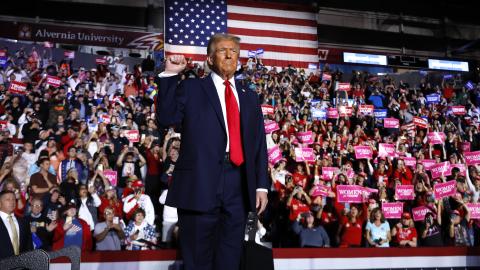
(139, 234)
(109, 234)
(139, 200)
(71, 230)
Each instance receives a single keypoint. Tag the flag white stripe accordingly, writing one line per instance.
(185, 49)
(271, 12)
(284, 56)
(272, 27)
(278, 41)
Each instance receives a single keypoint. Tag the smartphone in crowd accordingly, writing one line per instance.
(115, 220)
(68, 220)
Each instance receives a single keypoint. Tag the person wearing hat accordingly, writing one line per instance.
(432, 235)
(71, 230)
(310, 234)
(404, 233)
(139, 200)
(458, 228)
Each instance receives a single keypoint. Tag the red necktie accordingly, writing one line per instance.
(233, 122)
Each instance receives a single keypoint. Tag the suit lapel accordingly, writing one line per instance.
(242, 96)
(209, 88)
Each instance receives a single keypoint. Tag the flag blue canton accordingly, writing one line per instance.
(191, 23)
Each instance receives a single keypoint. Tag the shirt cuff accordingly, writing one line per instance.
(262, 190)
(166, 74)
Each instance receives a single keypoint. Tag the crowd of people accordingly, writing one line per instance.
(88, 165)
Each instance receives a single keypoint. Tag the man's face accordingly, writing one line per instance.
(225, 57)
(82, 191)
(45, 165)
(72, 153)
(7, 203)
(36, 207)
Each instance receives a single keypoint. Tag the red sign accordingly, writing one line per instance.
(420, 122)
(132, 135)
(54, 81)
(268, 109)
(100, 61)
(458, 110)
(343, 86)
(18, 88)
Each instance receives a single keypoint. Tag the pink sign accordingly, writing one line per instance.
(274, 155)
(404, 192)
(332, 113)
(326, 77)
(419, 213)
(304, 154)
(436, 137)
(466, 147)
(391, 123)
(100, 61)
(386, 150)
(441, 169)
(47, 44)
(350, 174)
(392, 210)
(54, 81)
(111, 175)
(474, 209)
(461, 167)
(18, 88)
(343, 87)
(446, 189)
(267, 109)
(271, 126)
(420, 122)
(365, 109)
(344, 111)
(132, 135)
(106, 118)
(410, 161)
(472, 158)
(458, 110)
(428, 163)
(327, 172)
(363, 152)
(305, 137)
(320, 190)
(350, 194)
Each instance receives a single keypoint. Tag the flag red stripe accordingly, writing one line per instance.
(271, 19)
(277, 48)
(269, 33)
(270, 5)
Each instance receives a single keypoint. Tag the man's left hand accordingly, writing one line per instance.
(262, 201)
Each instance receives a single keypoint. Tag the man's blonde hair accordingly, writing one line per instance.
(219, 37)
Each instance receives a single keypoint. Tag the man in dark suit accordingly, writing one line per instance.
(14, 231)
(221, 172)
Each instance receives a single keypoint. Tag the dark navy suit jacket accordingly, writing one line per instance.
(6, 249)
(194, 106)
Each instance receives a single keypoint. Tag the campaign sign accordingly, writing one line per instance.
(3, 61)
(305, 137)
(419, 213)
(54, 81)
(332, 113)
(458, 110)
(18, 88)
(365, 109)
(404, 192)
(268, 109)
(69, 54)
(474, 209)
(391, 123)
(111, 175)
(469, 85)
(259, 51)
(460, 166)
(105, 118)
(344, 111)
(48, 44)
(327, 172)
(392, 210)
(320, 114)
(252, 53)
(326, 77)
(3, 53)
(274, 155)
(441, 169)
(100, 61)
(410, 161)
(304, 154)
(420, 122)
(350, 173)
(472, 158)
(349, 194)
(132, 135)
(436, 137)
(442, 190)
(363, 152)
(428, 163)
(320, 190)
(271, 126)
(380, 113)
(343, 86)
(433, 99)
(386, 150)
(466, 147)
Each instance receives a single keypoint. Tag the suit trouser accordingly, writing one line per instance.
(213, 240)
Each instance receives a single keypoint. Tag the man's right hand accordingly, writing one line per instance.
(175, 64)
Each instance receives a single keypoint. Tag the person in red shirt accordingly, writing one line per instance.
(109, 199)
(298, 202)
(404, 233)
(403, 173)
(350, 231)
(300, 176)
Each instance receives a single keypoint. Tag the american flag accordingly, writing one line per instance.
(287, 34)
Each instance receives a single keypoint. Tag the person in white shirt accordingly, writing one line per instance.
(88, 205)
(170, 219)
(139, 200)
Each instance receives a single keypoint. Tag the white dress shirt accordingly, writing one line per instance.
(4, 217)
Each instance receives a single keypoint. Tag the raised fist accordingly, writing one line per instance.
(175, 64)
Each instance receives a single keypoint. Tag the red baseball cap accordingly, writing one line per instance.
(406, 215)
(137, 183)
